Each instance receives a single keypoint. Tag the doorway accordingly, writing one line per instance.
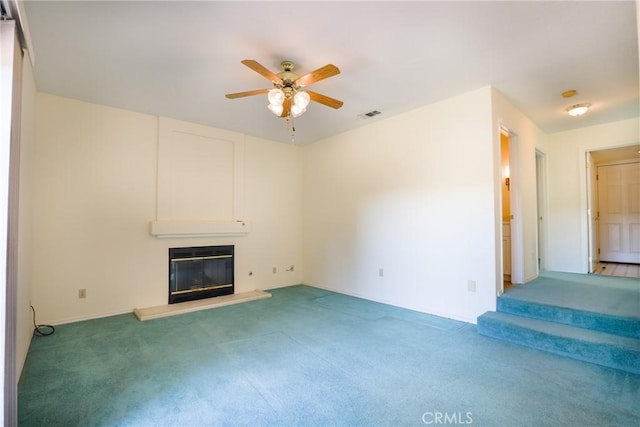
(506, 208)
(511, 218)
(613, 208)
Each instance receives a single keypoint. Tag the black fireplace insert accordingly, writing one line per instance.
(200, 272)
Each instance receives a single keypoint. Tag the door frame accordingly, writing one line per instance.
(515, 195)
(589, 201)
(592, 216)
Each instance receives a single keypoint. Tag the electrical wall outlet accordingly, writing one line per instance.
(82, 293)
(471, 285)
(275, 270)
(381, 272)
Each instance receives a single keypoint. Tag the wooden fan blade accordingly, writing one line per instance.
(247, 93)
(325, 100)
(322, 73)
(260, 69)
(286, 107)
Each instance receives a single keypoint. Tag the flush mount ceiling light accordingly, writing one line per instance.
(287, 99)
(575, 110)
(578, 109)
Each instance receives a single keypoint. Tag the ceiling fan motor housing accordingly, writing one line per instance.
(288, 78)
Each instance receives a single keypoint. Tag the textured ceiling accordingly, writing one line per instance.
(179, 58)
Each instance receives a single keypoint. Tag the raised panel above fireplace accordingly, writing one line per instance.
(200, 182)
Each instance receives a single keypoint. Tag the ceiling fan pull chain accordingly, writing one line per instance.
(291, 126)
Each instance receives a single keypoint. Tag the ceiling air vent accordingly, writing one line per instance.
(370, 114)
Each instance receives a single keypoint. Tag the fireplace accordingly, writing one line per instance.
(200, 272)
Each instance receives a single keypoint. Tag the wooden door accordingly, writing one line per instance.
(619, 212)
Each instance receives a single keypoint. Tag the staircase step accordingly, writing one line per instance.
(597, 347)
(618, 325)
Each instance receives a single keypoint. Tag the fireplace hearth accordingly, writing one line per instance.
(200, 272)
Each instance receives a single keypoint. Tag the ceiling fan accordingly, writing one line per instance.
(286, 99)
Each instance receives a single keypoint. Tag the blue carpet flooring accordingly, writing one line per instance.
(616, 296)
(309, 357)
(591, 318)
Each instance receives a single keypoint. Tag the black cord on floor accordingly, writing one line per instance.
(41, 330)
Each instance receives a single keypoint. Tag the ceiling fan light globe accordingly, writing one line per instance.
(275, 109)
(275, 97)
(296, 111)
(301, 99)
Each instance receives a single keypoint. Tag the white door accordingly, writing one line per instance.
(619, 212)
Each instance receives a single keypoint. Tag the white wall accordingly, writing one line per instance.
(568, 248)
(273, 200)
(95, 195)
(412, 195)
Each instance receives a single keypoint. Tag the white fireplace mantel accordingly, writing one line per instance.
(174, 229)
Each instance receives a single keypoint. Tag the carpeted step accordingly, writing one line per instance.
(598, 347)
(618, 325)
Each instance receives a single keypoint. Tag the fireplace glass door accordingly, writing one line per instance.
(203, 272)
